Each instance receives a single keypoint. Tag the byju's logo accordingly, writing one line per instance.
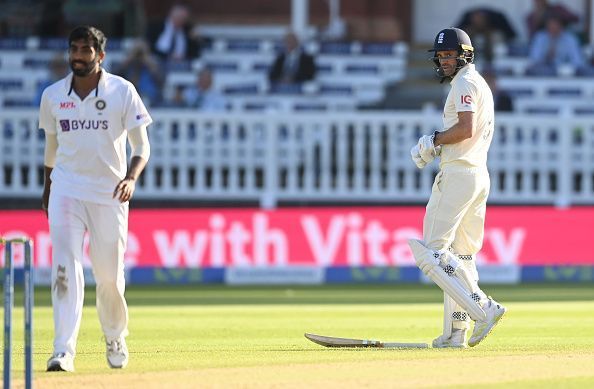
(73, 125)
(65, 125)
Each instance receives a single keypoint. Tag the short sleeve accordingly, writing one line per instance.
(47, 122)
(465, 96)
(135, 113)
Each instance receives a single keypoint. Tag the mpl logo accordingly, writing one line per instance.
(440, 37)
(67, 105)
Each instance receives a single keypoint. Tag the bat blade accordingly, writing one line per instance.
(330, 341)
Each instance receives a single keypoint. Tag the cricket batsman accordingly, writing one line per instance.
(453, 227)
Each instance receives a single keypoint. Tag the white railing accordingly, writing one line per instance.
(329, 158)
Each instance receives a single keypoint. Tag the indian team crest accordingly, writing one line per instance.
(100, 104)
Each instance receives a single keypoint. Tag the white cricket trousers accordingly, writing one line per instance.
(455, 215)
(107, 226)
(455, 218)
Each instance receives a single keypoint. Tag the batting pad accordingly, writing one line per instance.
(451, 284)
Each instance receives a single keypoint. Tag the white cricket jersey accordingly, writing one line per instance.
(91, 156)
(469, 92)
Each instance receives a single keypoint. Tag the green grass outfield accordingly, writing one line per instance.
(252, 337)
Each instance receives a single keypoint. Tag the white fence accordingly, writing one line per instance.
(330, 158)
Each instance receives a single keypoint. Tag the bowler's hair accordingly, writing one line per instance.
(89, 33)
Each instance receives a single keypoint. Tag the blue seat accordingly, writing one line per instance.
(336, 89)
(518, 49)
(10, 84)
(542, 110)
(243, 45)
(10, 102)
(114, 44)
(310, 107)
(178, 66)
(53, 44)
(520, 92)
(219, 66)
(36, 63)
(324, 69)
(261, 67)
(241, 89)
(258, 107)
(584, 111)
(13, 44)
(378, 48)
(362, 69)
(575, 92)
(335, 48)
(286, 89)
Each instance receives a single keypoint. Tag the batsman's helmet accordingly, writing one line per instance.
(453, 39)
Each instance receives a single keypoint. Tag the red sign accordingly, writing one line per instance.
(322, 236)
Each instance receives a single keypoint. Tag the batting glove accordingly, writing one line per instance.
(416, 157)
(427, 150)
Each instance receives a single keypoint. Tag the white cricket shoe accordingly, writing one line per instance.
(117, 353)
(482, 328)
(60, 362)
(456, 340)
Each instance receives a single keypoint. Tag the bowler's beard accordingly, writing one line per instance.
(85, 70)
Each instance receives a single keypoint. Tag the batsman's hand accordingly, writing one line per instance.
(427, 149)
(124, 189)
(416, 157)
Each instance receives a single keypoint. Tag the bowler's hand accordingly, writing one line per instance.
(125, 189)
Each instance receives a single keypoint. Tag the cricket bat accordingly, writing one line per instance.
(330, 341)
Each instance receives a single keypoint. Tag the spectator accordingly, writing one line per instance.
(486, 28)
(293, 65)
(501, 99)
(176, 99)
(553, 47)
(173, 39)
(537, 18)
(142, 70)
(58, 69)
(203, 96)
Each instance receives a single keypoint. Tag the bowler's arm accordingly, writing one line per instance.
(141, 151)
(49, 160)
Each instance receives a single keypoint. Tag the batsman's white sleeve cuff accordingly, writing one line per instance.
(51, 149)
(139, 142)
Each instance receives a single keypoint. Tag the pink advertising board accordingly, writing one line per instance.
(347, 236)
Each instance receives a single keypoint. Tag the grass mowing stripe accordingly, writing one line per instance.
(253, 337)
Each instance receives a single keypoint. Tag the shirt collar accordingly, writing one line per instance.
(465, 69)
(100, 84)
